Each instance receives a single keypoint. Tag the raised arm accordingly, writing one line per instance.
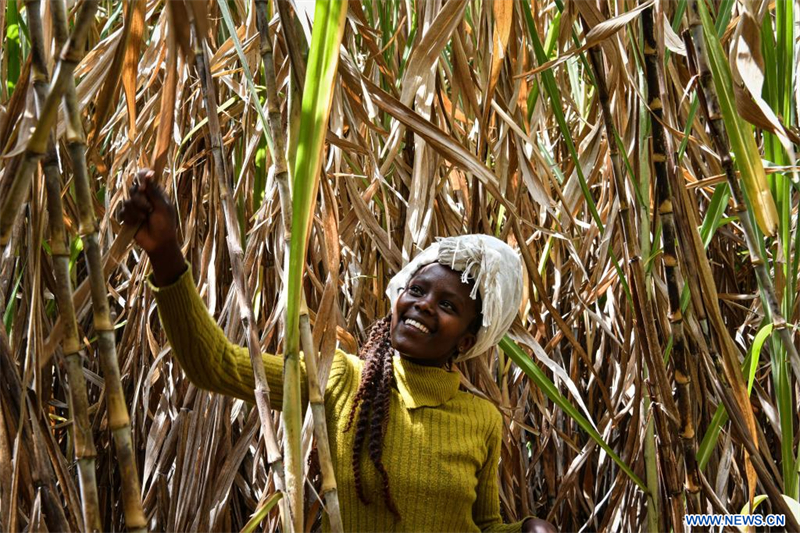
(209, 359)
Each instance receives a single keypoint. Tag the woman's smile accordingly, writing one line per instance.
(417, 325)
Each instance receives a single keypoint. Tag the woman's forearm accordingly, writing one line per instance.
(209, 359)
(168, 264)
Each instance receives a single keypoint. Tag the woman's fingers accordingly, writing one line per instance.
(153, 191)
(130, 215)
(142, 203)
(149, 208)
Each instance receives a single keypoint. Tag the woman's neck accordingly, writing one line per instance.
(438, 363)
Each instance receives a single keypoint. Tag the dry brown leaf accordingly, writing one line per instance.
(130, 68)
(503, 11)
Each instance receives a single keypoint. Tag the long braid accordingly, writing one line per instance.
(371, 406)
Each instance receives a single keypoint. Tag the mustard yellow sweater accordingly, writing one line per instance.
(441, 448)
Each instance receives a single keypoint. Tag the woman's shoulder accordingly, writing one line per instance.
(344, 361)
(345, 370)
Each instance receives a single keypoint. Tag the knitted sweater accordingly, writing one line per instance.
(441, 447)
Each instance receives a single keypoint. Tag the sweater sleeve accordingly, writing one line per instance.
(486, 510)
(209, 359)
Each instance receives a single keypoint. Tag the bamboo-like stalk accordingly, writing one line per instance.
(261, 392)
(71, 54)
(329, 490)
(316, 401)
(680, 356)
(716, 126)
(277, 130)
(118, 418)
(645, 317)
(83, 440)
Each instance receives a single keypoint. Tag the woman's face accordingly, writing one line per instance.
(432, 317)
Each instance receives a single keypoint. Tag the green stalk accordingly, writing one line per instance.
(277, 130)
(779, 70)
(221, 171)
(118, 419)
(323, 61)
(71, 54)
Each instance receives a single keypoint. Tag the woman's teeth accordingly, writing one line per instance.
(413, 323)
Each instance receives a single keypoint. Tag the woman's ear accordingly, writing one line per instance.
(466, 343)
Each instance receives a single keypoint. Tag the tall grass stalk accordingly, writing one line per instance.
(661, 164)
(323, 60)
(118, 420)
(648, 339)
(83, 440)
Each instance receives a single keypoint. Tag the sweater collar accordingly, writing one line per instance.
(424, 386)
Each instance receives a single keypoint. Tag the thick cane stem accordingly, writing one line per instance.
(118, 419)
(680, 356)
(83, 440)
(71, 54)
(643, 307)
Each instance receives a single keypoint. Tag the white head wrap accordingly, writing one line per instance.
(496, 270)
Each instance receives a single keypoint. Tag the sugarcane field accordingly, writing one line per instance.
(399, 265)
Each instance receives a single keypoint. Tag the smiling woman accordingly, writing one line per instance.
(432, 451)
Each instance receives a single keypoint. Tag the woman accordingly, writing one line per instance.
(411, 452)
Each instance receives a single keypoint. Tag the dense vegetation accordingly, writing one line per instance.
(640, 155)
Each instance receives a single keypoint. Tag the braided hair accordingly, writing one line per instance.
(374, 397)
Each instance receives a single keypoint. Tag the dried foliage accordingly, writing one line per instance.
(533, 122)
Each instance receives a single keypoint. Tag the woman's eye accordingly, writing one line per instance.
(449, 306)
(416, 291)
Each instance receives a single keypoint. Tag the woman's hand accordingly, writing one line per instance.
(537, 525)
(149, 208)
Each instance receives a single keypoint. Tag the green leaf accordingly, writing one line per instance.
(261, 513)
(323, 60)
(11, 305)
(547, 387)
(755, 353)
(226, 15)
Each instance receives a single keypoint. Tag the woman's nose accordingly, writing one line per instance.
(424, 304)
